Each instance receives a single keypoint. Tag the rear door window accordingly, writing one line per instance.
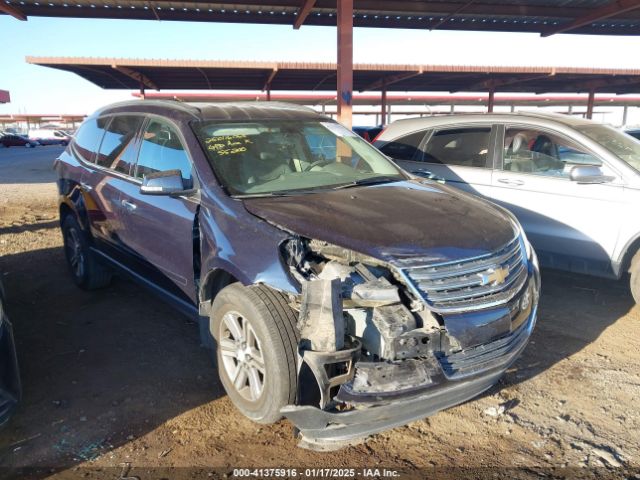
(467, 147)
(88, 138)
(161, 149)
(404, 148)
(118, 148)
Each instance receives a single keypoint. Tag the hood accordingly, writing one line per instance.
(393, 221)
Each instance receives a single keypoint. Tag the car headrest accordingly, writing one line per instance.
(519, 143)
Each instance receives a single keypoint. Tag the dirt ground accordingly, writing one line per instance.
(115, 377)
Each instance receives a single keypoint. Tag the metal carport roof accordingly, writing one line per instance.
(123, 73)
(604, 17)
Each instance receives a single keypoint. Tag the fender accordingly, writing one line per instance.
(622, 263)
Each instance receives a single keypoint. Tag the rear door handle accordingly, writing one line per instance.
(129, 206)
(509, 181)
(86, 187)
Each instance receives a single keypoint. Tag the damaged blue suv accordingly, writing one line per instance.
(334, 288)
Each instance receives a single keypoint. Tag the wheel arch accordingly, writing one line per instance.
(214, 281)
(628, 253)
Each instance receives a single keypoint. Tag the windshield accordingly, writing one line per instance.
(271, 157)
(623, 146)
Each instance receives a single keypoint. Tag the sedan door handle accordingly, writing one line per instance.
(86, 187)
(129, 206)
(509, 181)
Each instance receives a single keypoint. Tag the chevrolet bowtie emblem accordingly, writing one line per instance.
(494, 276)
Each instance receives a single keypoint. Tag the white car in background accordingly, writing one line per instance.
(574, 184)
(48, 136)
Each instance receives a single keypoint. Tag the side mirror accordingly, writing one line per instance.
(168, 182)
(421, 172)
(588, 174)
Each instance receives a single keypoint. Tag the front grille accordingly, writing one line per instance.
(473, 283)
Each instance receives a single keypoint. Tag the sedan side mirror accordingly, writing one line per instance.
(168, 182)
(588, 174)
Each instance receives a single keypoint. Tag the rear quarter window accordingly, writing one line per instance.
(404, 148)
(87, 140)
(117, 150)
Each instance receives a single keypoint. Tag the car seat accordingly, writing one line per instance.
(519, 155)
(547, 157)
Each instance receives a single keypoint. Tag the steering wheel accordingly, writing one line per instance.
(317, 163)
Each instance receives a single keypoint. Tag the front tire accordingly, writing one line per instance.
(85, 269)
(256, 348)
(28, 145)
(635, 277)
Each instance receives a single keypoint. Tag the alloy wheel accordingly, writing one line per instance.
(242, 357)
(74, 252)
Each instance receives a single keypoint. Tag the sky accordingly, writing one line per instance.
(41, 90)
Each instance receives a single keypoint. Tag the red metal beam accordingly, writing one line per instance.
(617, 7)
(303, 13)
(13, 11)
(345, 61)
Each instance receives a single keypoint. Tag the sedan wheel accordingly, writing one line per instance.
(28, 145)
(635, 277)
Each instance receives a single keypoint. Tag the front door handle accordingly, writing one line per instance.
(128, 206)
(86, 187)
(509, 181)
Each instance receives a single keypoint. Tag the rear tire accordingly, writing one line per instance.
(635, 277)
(85, 269)
(28, 145)
(256, 349)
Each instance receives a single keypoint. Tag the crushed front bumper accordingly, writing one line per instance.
(9, 374)
(326, 430)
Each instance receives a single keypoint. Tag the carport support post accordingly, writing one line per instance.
(142, 90)
(345, 61)
(625, 112)
(491, 101)
(383, 104)
(591, 101)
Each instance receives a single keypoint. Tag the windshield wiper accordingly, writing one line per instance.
(369, 181)
(307, 191)
(279, 193)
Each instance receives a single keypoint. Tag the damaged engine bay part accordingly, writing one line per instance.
(376, 352)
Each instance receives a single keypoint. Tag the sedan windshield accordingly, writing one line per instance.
(291, 157)
(623, 146)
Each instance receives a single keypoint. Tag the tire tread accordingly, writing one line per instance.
(277, 302)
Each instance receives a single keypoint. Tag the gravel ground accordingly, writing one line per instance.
(115, 378)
